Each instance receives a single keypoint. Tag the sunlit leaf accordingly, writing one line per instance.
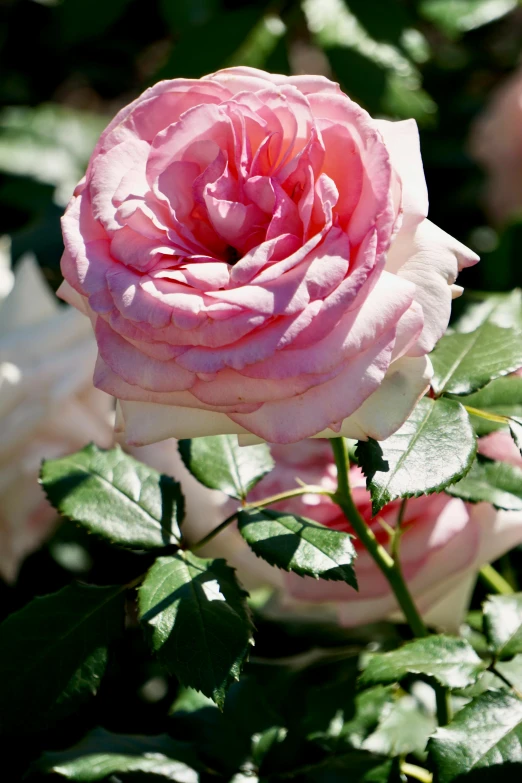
(421, 456)
(198, 620)
(115, 496)
(298, 544)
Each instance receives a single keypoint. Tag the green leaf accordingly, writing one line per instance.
(379, 75)
(116, 497)
(515, 428)
(465, 362)
(484, 735)
(420, 457)
(512, 671)
(458, 16)
(497, 483)
(298, 544)
(451, 661)
(503, 624)
(502, 397)
(199, 621)
(354, 766)
(53, 653)
(368, 707)
(404, 728)
(49, 143)
(224, 739)
(101, 754)
(219, 462)
(504, 310)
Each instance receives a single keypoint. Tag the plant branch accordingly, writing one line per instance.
(495, 581)
(389, 567)
(305, 489)
(388, 564)
(419, 773)
(488, 416)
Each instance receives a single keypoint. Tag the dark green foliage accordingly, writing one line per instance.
(219, 463)
(420, 457)
(297, 544)
(199, 623)
(115, 496)
(54, 651)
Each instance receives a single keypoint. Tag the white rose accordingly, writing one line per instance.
(48, 405)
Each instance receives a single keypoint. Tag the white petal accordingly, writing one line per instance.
(148, 422)
(500, 532)
(403, 144)
(72, 297)
(431, 259)
(6, 275)
(388, 408)
(448, 613)
(30, 301)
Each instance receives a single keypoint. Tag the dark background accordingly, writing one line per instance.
(68, 66)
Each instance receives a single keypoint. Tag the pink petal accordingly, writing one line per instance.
(288, 421)
(500, 446)
(353, 334)
(108, 171)
(137, 369)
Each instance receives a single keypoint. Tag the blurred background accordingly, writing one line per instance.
(68, 65)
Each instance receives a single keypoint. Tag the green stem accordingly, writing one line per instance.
(306, 489)
(497, 673)
(213, 533)
(487, 415)
(419, 773)
(389, 565)
(444, 708)
(495, 581)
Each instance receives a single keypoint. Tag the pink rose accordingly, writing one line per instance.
(48, 405)
(254, 254)
(445, 542)
(499, 445)
(496, 143)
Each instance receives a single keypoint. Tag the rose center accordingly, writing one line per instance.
(232, 255)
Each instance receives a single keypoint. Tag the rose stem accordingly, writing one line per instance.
(495, 581)
(389, 567)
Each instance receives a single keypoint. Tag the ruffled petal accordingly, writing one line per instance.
(431, 259)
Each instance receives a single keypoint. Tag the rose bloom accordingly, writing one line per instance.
(496, 143)
(444, 544)
(254, 254)
(48, 406)
(500, 446)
